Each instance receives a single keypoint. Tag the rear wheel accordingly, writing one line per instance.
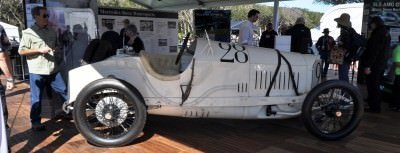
(332, 110)
(108, 113)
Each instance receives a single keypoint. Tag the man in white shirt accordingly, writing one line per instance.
(246, 29)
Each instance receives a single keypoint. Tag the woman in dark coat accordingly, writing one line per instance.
(345, 41)
(375, 57)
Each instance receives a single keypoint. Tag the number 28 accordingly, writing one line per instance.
(239, 51)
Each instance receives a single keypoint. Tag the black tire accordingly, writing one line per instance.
(336, 102)
(109, 113)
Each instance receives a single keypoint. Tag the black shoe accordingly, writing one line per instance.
(64, 116)
(395, 108)
(38, 127)
(369, 110)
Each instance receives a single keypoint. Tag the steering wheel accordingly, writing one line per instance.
(184, 46)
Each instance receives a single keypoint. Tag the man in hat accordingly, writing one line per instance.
(267, 39)
(345, 41)
(301, 37)
(324, 46)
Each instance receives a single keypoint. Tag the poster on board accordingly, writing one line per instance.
(29, 5)
(217, 23)
(158, 30)
(388, 11)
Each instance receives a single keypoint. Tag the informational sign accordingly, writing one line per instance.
(30, 4)
(388, 11)
(75, 28)
(217, 23)
(158, 30)
(282, 43)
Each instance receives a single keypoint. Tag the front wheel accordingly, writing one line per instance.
(109, 113)
(332, 110)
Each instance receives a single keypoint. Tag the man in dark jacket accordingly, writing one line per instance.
(324, 46)
(123, 38)
(112, 37)
(268, 37)
(301, 37)
(375, 57)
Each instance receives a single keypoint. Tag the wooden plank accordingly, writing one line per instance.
(377, 133)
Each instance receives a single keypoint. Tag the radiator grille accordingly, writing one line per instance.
(283, 80)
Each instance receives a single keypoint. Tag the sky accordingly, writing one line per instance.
(307, 4)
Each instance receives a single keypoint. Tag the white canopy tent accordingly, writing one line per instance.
(11, 31)
(177, 5)
(188, 4)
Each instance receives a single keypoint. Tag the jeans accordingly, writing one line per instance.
(344, 71)
(325, 66)
(38, 83)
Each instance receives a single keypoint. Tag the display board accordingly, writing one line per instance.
(75, 25)
(28, 6)
(282, 43)
(75, 29)
(158, 30)
(388, 11)
(217, 23)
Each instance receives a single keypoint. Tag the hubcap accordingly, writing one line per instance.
(111, 111)
(338, 114)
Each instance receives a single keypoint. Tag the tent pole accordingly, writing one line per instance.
(276, 15)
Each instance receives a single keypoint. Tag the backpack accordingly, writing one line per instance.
(358, 45)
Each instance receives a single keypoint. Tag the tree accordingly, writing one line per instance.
(185, 23)
(287, 15)
(336, 2)
(12, 12)
(119, 3)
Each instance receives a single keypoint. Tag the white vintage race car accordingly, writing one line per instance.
(111, 99)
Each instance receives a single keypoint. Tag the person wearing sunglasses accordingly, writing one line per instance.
(39, 44)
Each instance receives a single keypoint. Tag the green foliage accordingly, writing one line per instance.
(287, 15)
(336, 2)
(12, 12)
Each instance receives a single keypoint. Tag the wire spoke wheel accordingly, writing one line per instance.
(332, 110)
(109, 113)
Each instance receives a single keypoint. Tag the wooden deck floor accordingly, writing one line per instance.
(378, 133)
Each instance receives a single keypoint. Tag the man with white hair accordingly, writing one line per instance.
(301, 37)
